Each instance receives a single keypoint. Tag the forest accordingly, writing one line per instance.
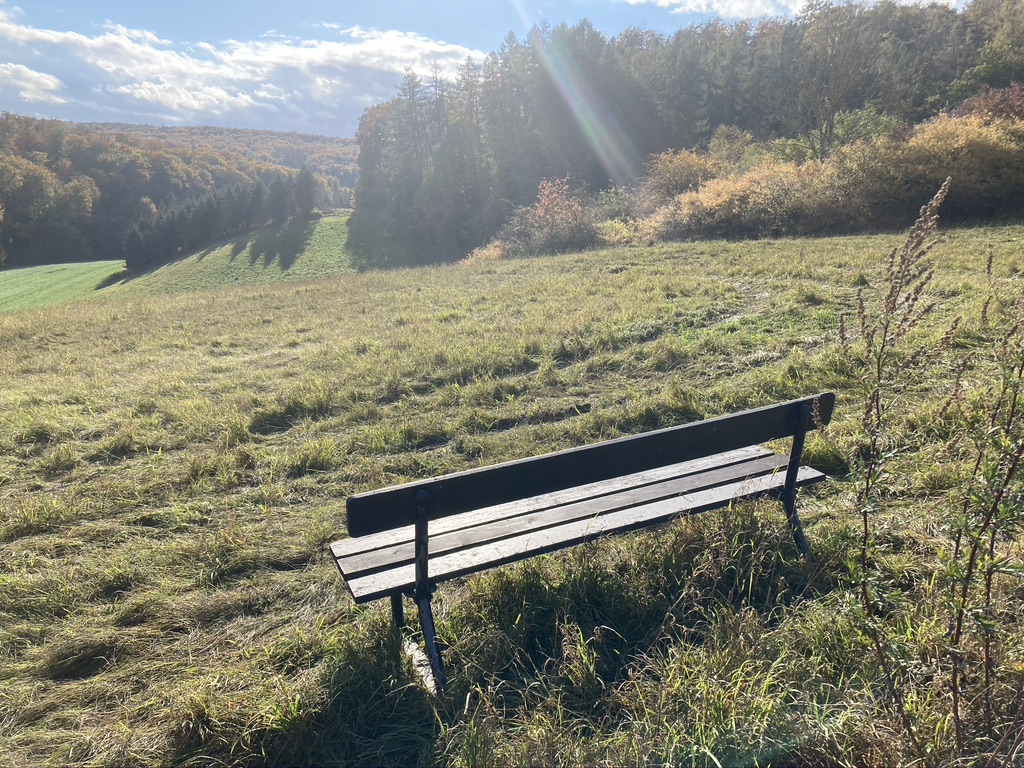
(844, 118)
(76, 192)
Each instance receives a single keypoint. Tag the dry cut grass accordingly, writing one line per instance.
(171, 469)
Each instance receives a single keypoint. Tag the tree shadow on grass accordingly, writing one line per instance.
(122, 275)
(281, 244)
(269, 244)
(126, 275)
(237, 247)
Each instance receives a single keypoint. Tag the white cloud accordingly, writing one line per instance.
(122, 74)
(746, 9)
(30, 86)
(728, 9)
(137, 35)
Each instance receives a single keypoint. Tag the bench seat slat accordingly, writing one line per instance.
(386, 539)
(461, 492)
(465, 561)
(544, 513)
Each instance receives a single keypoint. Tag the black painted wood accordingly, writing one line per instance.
(495, 515)
(542, 513)
(488, 486)
(401, 534)
(401, 577)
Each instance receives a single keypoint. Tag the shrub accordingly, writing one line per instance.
(615, 204)
(851, 127)
(556, 223)
(866, 185)
(733, 149)
(493, 251)
(616, 232)
(1004, 103)
(984, 157)
(769, 201)
(670, 174)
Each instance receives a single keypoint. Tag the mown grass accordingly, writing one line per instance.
(31, 287)
(303, 249)
(172, 467)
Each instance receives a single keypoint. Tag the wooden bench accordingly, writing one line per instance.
(485, 517)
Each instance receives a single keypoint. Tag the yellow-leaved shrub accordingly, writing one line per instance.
(985, 158)
(673, 173)
(868, 185)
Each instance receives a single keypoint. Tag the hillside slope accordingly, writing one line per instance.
(326, 155)
(31, 287)
(74, 192)
(302, 249)
(173, 466)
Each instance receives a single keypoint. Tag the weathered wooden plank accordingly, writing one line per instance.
(460, 563)
(543, 515)
(397, 536)
(487, 486)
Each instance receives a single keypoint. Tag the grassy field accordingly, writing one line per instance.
(303, 249)
(53, 284)
(172, 468)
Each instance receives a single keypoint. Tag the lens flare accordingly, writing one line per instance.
(602, 129)
(524, 16)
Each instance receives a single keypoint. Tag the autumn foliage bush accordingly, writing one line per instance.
(984, 157)
(557, 222)
(996, 103)
(673, 173)
(864, 186)
(747, 190)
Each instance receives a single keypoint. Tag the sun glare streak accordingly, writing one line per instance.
(602, 129)
(520, 9)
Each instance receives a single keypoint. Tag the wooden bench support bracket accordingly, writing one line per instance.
(788, 494)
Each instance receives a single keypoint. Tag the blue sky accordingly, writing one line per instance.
(302, 65)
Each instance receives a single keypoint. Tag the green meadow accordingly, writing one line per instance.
(174, 462)
(30, 287)
(302, 249)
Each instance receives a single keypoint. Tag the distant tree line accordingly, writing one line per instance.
(445, 163)
(71, 192)
(329, 157)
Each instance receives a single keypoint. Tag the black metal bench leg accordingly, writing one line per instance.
(430, 643)
(397, 612)
(422, 592)
(789, 502)
(788, 495)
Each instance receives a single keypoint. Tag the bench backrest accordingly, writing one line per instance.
(396, 506)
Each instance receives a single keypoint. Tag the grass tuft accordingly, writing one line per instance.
(75, 658)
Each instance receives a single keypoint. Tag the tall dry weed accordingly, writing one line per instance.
(974, 687)
(883, 341)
